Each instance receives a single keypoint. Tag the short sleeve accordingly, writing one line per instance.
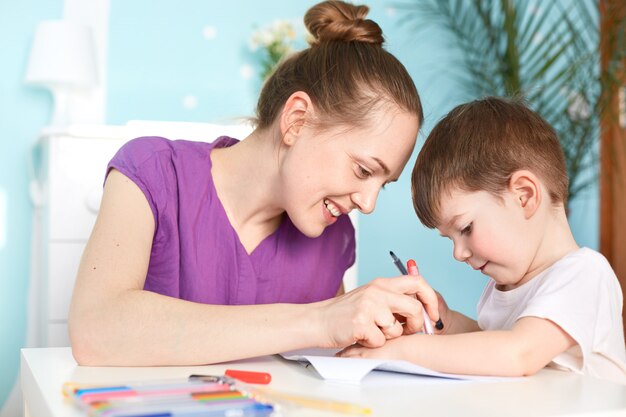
(572, 299)
(140, 161)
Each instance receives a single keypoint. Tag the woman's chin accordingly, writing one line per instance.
(310, 230)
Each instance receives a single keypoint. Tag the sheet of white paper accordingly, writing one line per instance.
(353, 370)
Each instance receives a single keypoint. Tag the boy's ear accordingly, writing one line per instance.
(297, 109)
(526, 188)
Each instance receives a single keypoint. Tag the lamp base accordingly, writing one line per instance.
(60, 107)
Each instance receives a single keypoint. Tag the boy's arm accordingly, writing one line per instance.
(454, 322)
(529, 346)
(458, 323)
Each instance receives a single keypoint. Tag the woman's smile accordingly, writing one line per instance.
(332, 210)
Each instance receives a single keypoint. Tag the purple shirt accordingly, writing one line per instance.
(196, 253)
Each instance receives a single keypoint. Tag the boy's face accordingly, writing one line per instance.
(490, 234)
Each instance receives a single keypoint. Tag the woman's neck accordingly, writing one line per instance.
(248, 186)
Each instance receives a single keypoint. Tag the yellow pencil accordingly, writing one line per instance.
(310, 402)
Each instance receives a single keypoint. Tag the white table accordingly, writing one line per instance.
(549, 393)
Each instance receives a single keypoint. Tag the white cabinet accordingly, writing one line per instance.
(66, 191)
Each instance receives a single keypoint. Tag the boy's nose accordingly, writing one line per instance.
(461, 252)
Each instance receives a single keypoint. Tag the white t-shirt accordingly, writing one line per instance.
(582, 295)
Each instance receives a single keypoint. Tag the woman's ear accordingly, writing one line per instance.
(297, 109)
(526, 189)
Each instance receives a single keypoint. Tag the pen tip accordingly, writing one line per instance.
(391, 253)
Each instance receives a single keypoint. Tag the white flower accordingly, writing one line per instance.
(275, 40)
(278, 32)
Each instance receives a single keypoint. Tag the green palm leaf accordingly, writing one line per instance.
(546, 52)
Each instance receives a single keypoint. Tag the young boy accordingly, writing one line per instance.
(491, 177)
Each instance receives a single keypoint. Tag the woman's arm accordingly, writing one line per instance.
(113, 321)
(529, 346)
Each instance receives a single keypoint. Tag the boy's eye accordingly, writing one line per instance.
(467, 229)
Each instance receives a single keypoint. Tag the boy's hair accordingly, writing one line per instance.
(478, 146)
(346, 71)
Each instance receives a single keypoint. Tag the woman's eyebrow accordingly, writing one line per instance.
(382, 165)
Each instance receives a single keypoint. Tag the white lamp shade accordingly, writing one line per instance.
(62, 55)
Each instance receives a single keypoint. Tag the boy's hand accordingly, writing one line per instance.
(445, 314)
(391, 350)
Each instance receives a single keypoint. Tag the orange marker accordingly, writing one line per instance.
(250, 377)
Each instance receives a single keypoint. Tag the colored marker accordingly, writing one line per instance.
(210, 396)
(148, 387)
(250, 377)
(107, 393)
(250, 410)
(428, 327)
(230, 397)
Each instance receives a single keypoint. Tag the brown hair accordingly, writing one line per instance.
(345, 71)
(478, 146)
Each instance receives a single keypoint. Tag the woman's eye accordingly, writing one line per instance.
(467, 229)
(364, 173)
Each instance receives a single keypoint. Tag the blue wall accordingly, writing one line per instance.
(159, 53)
(147, 83)
(23, 111)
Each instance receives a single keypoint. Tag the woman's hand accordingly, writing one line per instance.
(373, 313)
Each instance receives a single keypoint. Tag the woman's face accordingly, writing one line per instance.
(327, 174)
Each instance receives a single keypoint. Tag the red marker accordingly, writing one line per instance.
(413, 270)
(250, 377)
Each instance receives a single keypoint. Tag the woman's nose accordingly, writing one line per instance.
(365, 200)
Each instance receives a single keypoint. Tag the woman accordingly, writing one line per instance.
(208, 252)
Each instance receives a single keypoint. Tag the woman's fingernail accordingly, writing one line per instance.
(439, 324)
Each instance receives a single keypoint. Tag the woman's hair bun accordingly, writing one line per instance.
(341, 22)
